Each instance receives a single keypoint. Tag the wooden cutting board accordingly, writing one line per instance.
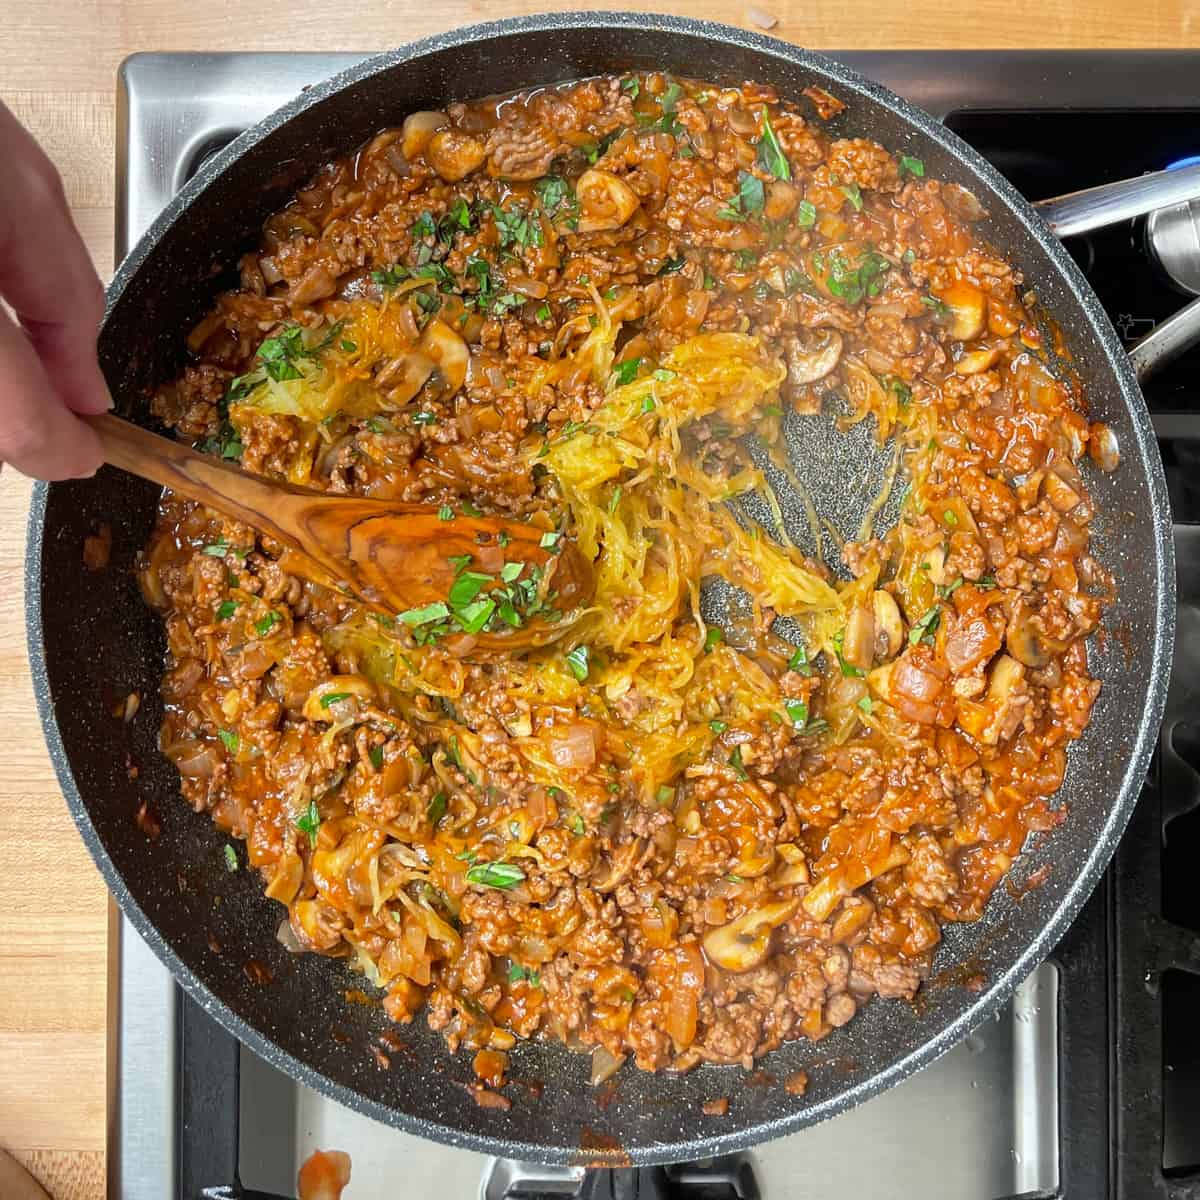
(57, 70)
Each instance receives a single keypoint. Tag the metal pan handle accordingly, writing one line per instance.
(1094, 208)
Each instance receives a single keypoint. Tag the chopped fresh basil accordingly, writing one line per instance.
(939, 307)
(663, 375)
(718, 727)
(263, 627)
(329, 699)
(671, 265)
(543, 313)
(950, 517)
(797, 712)
(495, 875)
(445, 513)
(849, 670)
(924, 629)
(226, 610)
(852, 193)
(866, 705)
(799, 661)
(631, 87)
(648, 404)
(415, 617)
(511, 571)
(310, 822)
(375, 754)
(735, 761)
(424, 226)
(713, 638)
(229, 740)
(626, 372)
(748, 199)
(770, 153)
(577, 660)
(806, 214)
(914, 166)
(437, 809)
(550, 539)
(231, 859)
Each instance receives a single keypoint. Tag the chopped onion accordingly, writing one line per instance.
(1105, 452)
(574, 747)
(192, 758)
(285, 935)
(605, 1065)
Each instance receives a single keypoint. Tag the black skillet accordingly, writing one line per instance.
(92, 641)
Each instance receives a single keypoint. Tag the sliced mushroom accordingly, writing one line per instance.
(1103, 448)
(605, 202)
(808, 363)
(454, 155)
(977, 361)
(402, 378)
(889, 627)
(448, 352)
(967, 305)
(327, 695)
(962, 203)
(1025, 643)
(418, 129)
(858, 640)
(1059, 492)
(782, 200)
(743, 944)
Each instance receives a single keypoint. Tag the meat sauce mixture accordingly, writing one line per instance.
(655, 836)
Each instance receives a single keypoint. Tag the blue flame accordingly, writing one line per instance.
(1192, 160)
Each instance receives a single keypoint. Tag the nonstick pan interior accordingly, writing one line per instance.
(92, 640)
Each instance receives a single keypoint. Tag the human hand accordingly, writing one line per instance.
(49, 376)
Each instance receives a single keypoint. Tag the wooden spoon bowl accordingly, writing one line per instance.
(402, 559)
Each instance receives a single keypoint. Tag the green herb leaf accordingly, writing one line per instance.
(748, 200)
(713, 638)
(631, 87)
(718, 727)
(797, 712)
(852, 193)
(226, 610)
(770, 153)
(424, 226)
(437, 809)
(577, 660)
(543, 313)
(263, 627)
(663, 375)
(471, 510)
(473, 617)
(939, 307)
(424, 418)
(445, 513)
(866, 705)
(614, 499)
(415, 617)
(986, 583)
(925, 629)
(500, 875)
(390, 277)
(229, 740)
(671, 265)
(914, 166)
(799, 661)
(735, 761)
(849, 671)
(852, 284)
(550, 539)
(310, 822)
(648, 404)
(626, 372)
(329, 699)
(231, 859)
(806, 214)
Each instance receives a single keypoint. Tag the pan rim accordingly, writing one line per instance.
(1087, 874)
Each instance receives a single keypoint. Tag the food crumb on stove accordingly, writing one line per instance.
(147, 820)
(760, 17)
(258, 972)
(97, 547)
(796, 1084)
(715, 1108)
(489, 1066)
(358, 996)
(382, 1059)
(128, 708)
(323, 1175)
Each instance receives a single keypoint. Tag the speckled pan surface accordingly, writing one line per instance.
(91, 640)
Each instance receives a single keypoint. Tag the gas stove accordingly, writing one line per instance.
(1088, 1083)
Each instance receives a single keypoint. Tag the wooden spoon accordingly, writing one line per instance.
(394, 557)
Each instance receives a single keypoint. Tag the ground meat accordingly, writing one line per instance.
(683, 849)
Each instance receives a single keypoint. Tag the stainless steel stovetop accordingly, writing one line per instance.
(980, 1123)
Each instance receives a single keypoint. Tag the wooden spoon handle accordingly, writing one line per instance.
(196, 476)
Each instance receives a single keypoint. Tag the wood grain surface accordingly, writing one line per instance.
(57, 67)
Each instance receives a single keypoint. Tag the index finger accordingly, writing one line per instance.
(46, 274)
